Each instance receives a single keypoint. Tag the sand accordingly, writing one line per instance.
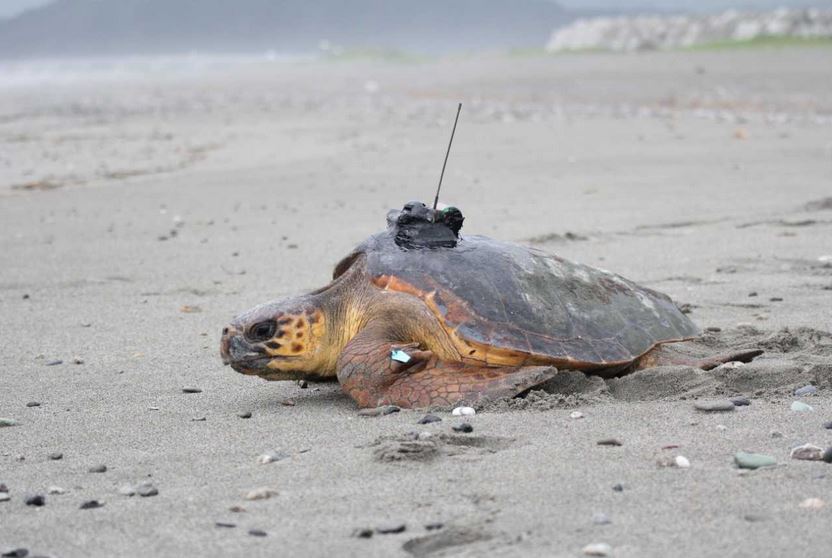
(125, 198)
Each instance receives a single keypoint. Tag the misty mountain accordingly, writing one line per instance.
(117, 27)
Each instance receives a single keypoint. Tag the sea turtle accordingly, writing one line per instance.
(413, 321)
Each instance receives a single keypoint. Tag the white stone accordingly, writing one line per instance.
(263, 493)
(464, 412)
(682, 462)
(597, 549)
(576, 415)
(812, 503)
(55, 490)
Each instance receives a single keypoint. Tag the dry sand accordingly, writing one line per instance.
(124, 198)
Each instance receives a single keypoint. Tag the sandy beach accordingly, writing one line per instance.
(144, 204)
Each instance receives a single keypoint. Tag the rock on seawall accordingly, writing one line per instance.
(658, 32)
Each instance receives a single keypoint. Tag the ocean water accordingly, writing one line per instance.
(25, 73)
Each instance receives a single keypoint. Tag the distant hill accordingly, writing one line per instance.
(117, 27)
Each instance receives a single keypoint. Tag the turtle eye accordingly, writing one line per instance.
(262, 331)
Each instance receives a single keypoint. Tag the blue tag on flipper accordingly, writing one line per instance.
(400, 356)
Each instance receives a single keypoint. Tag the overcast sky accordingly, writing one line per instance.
(13, 7)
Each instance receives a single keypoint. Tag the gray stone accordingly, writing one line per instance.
(807, 452)
(36, 500)
(753, 460)
(714, 406)
(191, 390)
(98, 469)
(91, 505)
(146, 489)
(610, 442)
(806, 390)
(740, 401)
(601, 518)
(56, 455)
(257, 533)
(33, 404)
(827, 455)
(244, 414)
(15, 552)
(7, 422)
(4, 497)
(464, 428)
(428, 419)
(379, 411)
(391, 528)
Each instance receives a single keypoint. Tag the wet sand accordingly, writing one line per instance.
(706, 175)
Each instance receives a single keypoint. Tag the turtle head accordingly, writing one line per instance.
(279, 340)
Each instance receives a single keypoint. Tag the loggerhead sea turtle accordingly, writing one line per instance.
(416, 316)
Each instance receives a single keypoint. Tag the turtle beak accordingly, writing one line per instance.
(239, 353)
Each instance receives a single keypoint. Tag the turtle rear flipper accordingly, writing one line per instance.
(665, 355)
(369, 373)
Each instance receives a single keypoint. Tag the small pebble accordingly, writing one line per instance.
(464, 427)
(16, 552)
(146, 490)
(256, 532)
(601, 519)
(597, 549)
(225, 525)
(191, 390)
(237, 509)
(776, 299)
(734, 364)
(713, 329)
(379, 411)
(3, 487)
(391, 529)
(288, 402)
(752, 294)
(827, 455)
(576, 415)
(91, 505)
(434, 526)
(244, 414)
(609, 442)
(618, 488)
(98, 469)
(56, 455)
(199, 419)
(753, 460)
(428, 419)
(127, 490)
(7, 422)
(775, 434)
(801, 407)
(714, 406)
(682, 462)
(37, 500)
(54, 363)
(828, 425)
(4, 497)
(806, 390)
(812, 503)
(55, 490)
(807, 452)
(77, 360)
(740, 401)
(272, 457)
(363, 533)
(33, 404)
(261, 494)
(303, 384)
(464, 412)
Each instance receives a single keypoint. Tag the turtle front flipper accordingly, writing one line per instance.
(376, 370)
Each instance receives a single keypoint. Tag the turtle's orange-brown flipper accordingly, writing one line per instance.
(369, 375)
